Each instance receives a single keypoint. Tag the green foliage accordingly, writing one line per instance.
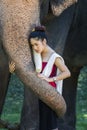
(82, 100)
(14, 101)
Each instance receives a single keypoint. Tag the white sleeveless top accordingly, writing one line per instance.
(48, 68)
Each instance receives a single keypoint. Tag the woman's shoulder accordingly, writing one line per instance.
(58, 59)
(51, 51)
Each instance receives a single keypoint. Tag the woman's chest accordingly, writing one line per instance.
(53, 70)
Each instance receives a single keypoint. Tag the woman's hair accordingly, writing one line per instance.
(39, 32)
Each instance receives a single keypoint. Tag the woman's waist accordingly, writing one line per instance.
(53, 84)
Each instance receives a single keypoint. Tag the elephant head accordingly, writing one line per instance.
(17, 20)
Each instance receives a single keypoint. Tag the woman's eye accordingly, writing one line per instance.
(36, 44)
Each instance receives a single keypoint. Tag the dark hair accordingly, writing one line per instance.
(38, 32)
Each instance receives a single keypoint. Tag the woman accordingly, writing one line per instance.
(38, 41)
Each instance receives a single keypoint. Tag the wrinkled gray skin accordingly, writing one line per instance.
(17, 20)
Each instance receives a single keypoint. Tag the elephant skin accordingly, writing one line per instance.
(15, 30)
(58, 6)
(17, 20)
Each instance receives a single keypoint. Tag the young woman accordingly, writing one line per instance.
(38, 41)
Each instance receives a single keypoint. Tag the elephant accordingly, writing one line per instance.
(66, 19)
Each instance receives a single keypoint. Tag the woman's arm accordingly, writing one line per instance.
(11, 66)
(65, 73)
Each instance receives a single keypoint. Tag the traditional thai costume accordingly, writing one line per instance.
(48, 118)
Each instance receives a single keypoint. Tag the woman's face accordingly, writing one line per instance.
(38, 45)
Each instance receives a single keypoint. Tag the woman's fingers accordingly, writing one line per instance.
(11, 66)
(42, 76)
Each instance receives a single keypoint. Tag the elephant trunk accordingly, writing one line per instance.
(17, 22)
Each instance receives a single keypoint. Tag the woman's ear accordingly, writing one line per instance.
(44, 41)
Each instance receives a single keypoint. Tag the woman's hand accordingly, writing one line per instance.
(11, 66)
(45, 78)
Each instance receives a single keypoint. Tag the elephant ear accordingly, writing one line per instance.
(58, 6)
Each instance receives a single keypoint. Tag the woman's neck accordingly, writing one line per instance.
(46, 52)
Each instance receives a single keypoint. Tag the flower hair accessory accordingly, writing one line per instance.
(39, 28)
(33, 29)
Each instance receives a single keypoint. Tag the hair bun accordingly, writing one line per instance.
(40, 28)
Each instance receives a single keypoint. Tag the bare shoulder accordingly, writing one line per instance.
(50, 49)
(61, 65)
(59, 61)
